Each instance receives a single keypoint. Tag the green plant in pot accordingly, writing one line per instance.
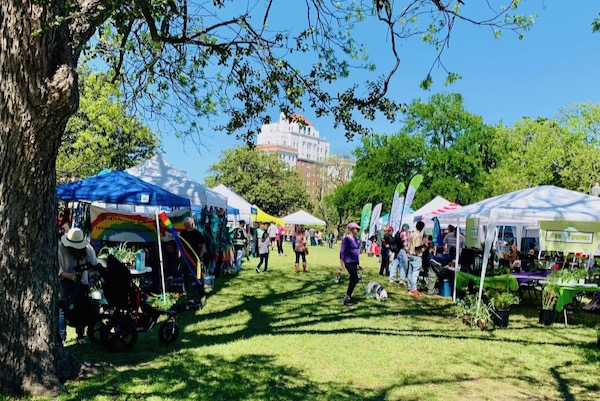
(474, 315)
(579, 275)
(121, 252)
(501, 302)
(549, 298)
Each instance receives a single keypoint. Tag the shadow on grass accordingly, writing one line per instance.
(249, 377)
(303, 304)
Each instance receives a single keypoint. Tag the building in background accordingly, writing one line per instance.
(299, 145)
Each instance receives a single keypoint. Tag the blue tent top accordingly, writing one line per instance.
(121, 188)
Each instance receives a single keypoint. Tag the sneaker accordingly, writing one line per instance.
(81, 340)
(337, 280)
(347, 301)
(415, 292)
(402, 282)
(257, 270)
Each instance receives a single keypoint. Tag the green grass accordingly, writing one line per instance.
(286, 336)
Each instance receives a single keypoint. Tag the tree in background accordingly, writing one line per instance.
(458, 154)
(101, 134)
(185, 61)
(545, 152)
(261, 178)
(382, 162)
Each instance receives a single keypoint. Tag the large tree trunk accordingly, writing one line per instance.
(38, 92)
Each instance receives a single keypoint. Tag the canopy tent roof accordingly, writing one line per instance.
(235, 201)
(434, 208)
(120, 188)
(262, 217)
(546, 202)
(160, 172)
(302, 217)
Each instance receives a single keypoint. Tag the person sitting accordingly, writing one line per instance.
(437, 270)
(74, 250)
(514, 261)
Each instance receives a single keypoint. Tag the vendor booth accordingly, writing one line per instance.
(544, 206)
(302, 217)
(262, 217)
(158, 171)
(244, 207)
(120, 188)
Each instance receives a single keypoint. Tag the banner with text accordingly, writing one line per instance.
(394, 219)
(415, 183)
(472, 233)
(112, 225)
(365, 218)
(570, 236)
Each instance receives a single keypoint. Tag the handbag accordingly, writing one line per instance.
(306, 251)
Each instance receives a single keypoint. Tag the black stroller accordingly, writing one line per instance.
(126, 311)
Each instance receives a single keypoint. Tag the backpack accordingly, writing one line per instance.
(397, 243)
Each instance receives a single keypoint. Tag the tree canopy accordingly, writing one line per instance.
(101, 134)
(261, 178)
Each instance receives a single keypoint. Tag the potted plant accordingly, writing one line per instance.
(121, 252)
(501, 302)
(475, 315)
(579, 275)
(549, 298)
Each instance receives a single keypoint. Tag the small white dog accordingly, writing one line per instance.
(376, 290)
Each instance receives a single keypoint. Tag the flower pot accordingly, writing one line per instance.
(501, 317)
(547, 317)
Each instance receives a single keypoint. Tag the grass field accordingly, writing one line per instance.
(286, 336)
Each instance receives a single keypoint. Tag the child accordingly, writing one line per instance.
(264, 244)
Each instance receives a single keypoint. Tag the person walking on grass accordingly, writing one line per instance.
(349, 260)
(300, 248)
(264, 244)
(280, 237)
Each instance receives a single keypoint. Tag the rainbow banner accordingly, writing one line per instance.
(192, 262)
(111, 225)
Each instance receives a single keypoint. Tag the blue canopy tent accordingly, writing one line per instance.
(120, 188)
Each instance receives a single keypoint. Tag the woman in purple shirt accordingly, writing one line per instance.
(349, 252)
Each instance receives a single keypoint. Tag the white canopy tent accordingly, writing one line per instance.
(434, 208)
(236, 201)
(302, 217)
(526, 207)
(160, 172)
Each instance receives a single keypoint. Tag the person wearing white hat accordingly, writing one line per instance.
(73, 250)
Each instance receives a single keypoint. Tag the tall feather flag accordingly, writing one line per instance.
(374, 219)
(438, 238)
(365, 217)
(415, 182)
(394, 219)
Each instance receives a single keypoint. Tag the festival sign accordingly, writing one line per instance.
(112, 225)
(570, 236)
(472, 233)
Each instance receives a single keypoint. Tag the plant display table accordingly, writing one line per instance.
(566, 293)
(504, 282)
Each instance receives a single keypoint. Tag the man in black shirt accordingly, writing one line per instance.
(193, 243)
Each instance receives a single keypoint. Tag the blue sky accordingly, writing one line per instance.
(557, 63)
